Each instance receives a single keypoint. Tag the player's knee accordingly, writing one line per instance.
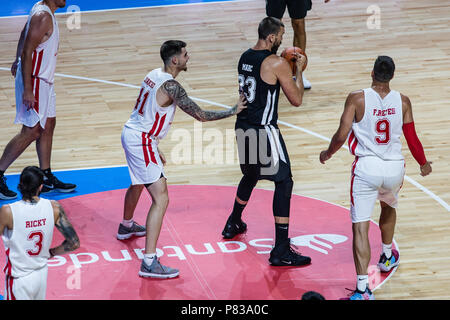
(245, 188)
(285, 187)
(50, 124)
(298, 25)
(33, 134)
(282, 198)
(161, 200)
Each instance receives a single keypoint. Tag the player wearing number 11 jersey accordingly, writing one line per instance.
(27, 227)
(373, 120)
(149, 122)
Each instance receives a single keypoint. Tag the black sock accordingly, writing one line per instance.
(47, 172)
(281, 232)
(236, 215)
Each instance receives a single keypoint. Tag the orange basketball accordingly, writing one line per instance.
(288, 54)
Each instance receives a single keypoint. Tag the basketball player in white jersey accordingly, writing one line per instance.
(149, 123)
(373, 120)
(34, 70)
(26, 227)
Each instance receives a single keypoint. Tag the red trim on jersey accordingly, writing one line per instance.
(33, 63)
(161, 125)
(9, 288)
(149, 155)
(36, 84)
(154, 124)
(8, 266)
(355, 143)
(350, 140)
(150, 151)
(38, 64)
(353, 179)
(144, 144)
(9, 278)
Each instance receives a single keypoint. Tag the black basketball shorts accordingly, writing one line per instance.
(297, 8)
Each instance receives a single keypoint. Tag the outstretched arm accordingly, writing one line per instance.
(64, 226)
(175, 91)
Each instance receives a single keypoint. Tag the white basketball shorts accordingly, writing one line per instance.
(141, 152)
(30, 287)
(372, 179)
(44, 107)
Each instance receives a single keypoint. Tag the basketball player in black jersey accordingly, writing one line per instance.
(262, 152)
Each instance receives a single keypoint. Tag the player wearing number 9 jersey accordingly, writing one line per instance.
(27, 232)
(373, 120)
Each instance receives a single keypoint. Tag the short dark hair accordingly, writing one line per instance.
(31, 179)
(269, 25)
(171, 48)
(383, 69)
(312, 295)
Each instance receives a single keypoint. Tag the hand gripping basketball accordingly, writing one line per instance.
(291, 54)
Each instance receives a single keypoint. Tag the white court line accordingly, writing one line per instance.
(410, 180)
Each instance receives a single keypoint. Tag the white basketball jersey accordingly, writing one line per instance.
(44, 56)
(379, 131)
(27, 245)
(148, 117)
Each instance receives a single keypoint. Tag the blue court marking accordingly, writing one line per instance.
(87, 180)
(23, 7)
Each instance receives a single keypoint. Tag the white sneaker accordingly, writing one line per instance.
(306, 83)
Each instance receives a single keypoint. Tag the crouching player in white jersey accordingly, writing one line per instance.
(148, 124)
(373, 120)
(26, 227)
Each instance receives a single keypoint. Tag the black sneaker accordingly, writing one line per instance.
(284, 255)
(5, 193)
(232, 229)
(52, 183)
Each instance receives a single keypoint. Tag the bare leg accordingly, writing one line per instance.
(44, 144)
(298, 25)
(18, 144)
(388, 219)
(131, 200)
(361, 247)
(160, 197)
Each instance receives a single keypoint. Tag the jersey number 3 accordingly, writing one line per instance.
(250, 84)
(37, 237)
(382, 127)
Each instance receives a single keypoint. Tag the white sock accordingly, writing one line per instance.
(361, 282)
(149, 257)
(387, 249)
(127, 223)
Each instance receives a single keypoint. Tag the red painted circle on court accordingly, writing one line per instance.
(210, 267)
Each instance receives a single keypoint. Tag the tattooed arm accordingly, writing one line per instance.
(176, 92)
(64, 226)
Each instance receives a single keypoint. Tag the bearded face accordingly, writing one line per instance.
(278, 40)
(275, 47)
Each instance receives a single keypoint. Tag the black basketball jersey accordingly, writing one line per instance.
(262, 106)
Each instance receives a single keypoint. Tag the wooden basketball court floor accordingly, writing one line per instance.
(121, 46)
